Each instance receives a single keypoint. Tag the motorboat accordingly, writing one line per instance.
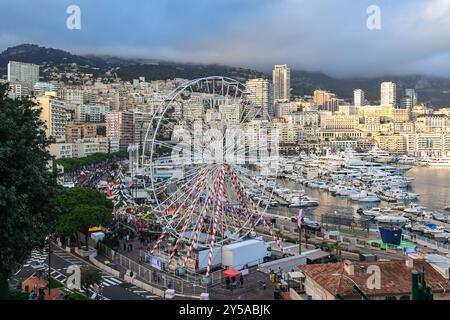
(414, 209)
(303, 201)
(440, 216)
(392, 219)
(346, 191)
(375, 212)
(365, 197)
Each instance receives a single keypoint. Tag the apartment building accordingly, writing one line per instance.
(119, 125)
(54, 114)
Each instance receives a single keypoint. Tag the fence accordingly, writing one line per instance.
(189, 275)
(160, 279)
(427, 241)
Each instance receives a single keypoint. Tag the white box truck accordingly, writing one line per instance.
(202, 262)
(245, 254)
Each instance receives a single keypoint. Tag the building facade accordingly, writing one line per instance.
(281, 75)
(21, 71)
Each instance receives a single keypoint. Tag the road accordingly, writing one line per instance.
(112, 288)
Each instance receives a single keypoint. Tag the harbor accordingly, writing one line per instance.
(361, 189)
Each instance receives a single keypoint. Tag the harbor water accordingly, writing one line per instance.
(433, 185)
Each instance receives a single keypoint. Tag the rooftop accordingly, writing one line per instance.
(396, 277)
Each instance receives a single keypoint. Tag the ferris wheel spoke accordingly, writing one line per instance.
(202, 194)
(207, 206)
(174, 217)
(179, 190)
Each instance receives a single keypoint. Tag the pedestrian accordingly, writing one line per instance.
(41, 295)
(227, 282)
(32, 296)
(131, 247)
(241, 280)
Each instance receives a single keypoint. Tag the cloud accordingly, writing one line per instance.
(317, 35)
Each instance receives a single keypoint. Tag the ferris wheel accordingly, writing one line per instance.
(212, 162)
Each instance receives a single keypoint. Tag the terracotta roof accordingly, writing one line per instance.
(33, 284)
(396, 278)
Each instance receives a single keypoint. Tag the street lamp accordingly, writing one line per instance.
(355, 285)
(48, 238)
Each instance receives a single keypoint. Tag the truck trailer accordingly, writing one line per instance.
(245, 254)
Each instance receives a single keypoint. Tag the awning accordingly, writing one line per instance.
(232, 273)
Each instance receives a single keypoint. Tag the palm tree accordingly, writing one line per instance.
(338, 248)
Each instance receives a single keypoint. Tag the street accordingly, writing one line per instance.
(112, 288)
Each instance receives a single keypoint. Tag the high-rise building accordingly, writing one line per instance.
(21, 71)
(18, 89)
(91, 113)
(412, 94)
(406, 102)
(40, 88)
(358, 98)
(72, 95)
(281, 82)
(326, 100)
(261, 92)
(54, 114)
(119, 125)
(388, 94)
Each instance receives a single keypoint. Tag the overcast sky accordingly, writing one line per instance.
(330, 36)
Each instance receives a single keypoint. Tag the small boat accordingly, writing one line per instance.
(374, 212)
(305, 201)
(365, 197)
(440, 216)
(392, 219)
(415, 209)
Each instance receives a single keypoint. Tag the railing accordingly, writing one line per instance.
(190, 275)
(158, 278)
(427, 241)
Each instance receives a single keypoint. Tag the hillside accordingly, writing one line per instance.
(432, 90)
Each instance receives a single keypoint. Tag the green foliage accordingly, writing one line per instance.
(77, 296)
(90, 276)
(20, 296)
(28, 186)
(55, 283)
(82, 209)
(71, 198)
(74, 164)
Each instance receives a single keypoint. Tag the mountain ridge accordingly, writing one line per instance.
(432, 90)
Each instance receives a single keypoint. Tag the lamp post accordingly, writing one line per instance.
(48, 238)
(355, 285)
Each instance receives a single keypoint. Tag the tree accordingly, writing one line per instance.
(338, 248)
(89, 277)
(82, 209)
(28, 187)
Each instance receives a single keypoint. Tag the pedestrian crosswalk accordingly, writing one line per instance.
(143, 293)
(108, 281)
(56, 274)
(69, 257)
(36, 257)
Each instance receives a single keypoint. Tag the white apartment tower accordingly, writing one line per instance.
(260, 91)
(21, 71)
(358, 98)
(281, 82)
(388, 94)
